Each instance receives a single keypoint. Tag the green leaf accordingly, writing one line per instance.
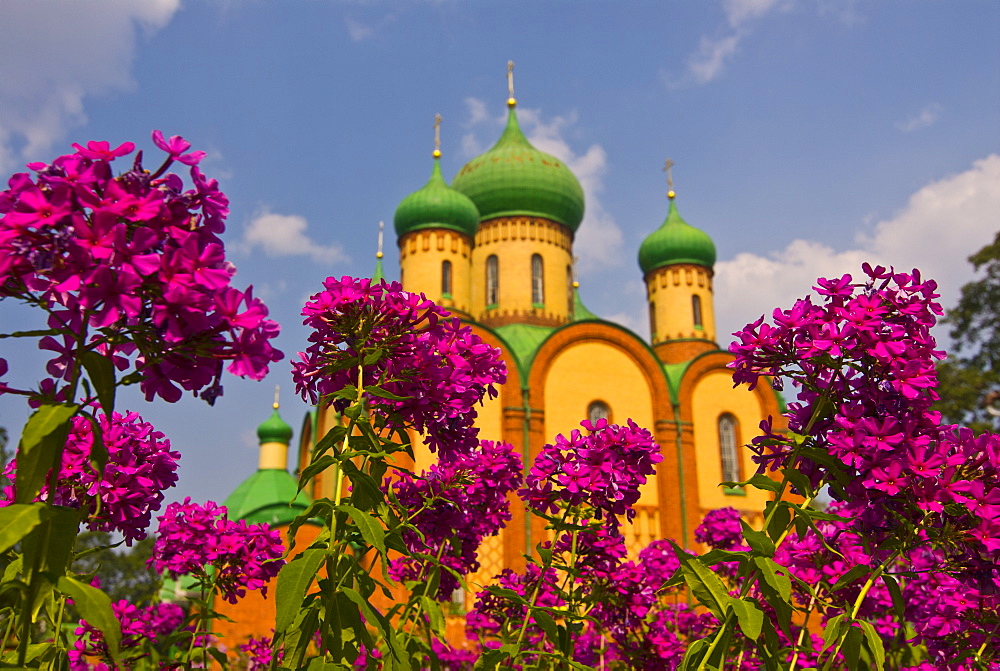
(757, 540)
(849, 577)
(548, 625)
(98, 450)
(780, 520)
(370, 528)
(382, 393)
(704, 584)
(318, 466)
(874, 643)
(751, 617)
(219, 657)
(761, 481)
(294, 579)
(776, 576)
(365, 492)
(852, 647)
(898, 604)
(49, 546)
(42, 442)
(434, 614)
(101, 372)
(95, 607)
(799, 480)
(17, 521)
(832, 629)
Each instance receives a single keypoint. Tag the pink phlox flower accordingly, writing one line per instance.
(176, 146)
(102, 151)
(37, 208)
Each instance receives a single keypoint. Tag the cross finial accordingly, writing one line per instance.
(277, 389)
(511, 101)
(437, 136)
(667, 165)
(576, 281)
(381, 230)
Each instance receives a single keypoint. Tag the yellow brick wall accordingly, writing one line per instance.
(421, 254)
(514, 240)
(713, 396)
(669, 290)
(597, 371)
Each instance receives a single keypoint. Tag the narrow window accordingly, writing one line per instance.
(652, 321)
(727, 449)
(537, 280)
(598, 410)
(492, 280)
(696, 310)
(446, 279)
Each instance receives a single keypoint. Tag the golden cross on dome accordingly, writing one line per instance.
(510, 84)
(667, 165)
(277, 389)
(381, 230)
(576, 282)
(437, 135)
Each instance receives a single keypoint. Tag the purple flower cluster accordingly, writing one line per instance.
(864, 363)
(434, 369)
(139, 627)
(720, 529)
(602, 469)
(124, 497)
(134, 261)
(233, 556)
(258, 653)
(453, 506)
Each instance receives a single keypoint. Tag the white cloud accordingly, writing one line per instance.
(285, 235)
(713, 53)
(940, 226)
(598, 241)
(925, 117)
(47, 72)
(358, 31)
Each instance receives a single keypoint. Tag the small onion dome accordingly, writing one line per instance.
(513, 178)
(436, 205)
(676, 242)
(274, 430)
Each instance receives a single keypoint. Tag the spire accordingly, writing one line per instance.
(667, 165)
(511, 100)
(378, 275)
(437, 136)
(274, 435)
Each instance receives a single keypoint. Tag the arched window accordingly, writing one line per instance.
(727, 449)
(571, 305)
(446, 279)
(598, 410)
(537, 280)
(696, 310)
(492, 280)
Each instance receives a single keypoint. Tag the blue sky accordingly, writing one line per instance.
(808, 136)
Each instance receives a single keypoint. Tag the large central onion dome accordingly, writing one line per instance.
(436, 205)
(515, 179)
(676, 242)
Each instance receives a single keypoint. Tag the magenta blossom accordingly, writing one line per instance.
(200, 541)
(123, 499)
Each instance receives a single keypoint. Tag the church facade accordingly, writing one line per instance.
(496, 248)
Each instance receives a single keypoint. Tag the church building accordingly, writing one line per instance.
(496, 248)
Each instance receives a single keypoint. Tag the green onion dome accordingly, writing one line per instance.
(436, 205)
(513, 178)
(676, 242)
(274, 430)
(269, 495)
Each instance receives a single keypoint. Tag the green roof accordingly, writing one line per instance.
(436, 205)
(274, 430)
(524, 341)
(265, 497)
(515, 179)
(580, 311)
(676, 242)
